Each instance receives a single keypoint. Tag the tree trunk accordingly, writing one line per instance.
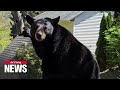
(18, 20)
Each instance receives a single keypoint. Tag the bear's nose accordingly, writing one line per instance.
(39, 33)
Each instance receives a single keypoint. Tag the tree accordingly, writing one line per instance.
(116, 14)
(112, 35)
(109, 20)
(116, 18)
(18, 23)
(101, 43)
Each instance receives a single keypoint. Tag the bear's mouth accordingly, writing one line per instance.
(40, 35)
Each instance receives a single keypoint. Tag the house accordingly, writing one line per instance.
(86, 29)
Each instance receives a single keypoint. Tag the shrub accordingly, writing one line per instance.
(112, 36)
(26, 52)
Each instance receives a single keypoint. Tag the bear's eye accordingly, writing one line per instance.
(45, 23)
(45, 28)
(37, 26)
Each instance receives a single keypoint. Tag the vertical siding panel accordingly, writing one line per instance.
(86, 28)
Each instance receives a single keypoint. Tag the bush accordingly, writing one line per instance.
(26, 52)
(112, 36)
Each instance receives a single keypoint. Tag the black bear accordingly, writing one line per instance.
(63, 56)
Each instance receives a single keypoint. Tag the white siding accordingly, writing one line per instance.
(86, 28)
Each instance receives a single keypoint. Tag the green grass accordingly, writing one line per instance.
(67, 24)
(111, 74)
(5, 39)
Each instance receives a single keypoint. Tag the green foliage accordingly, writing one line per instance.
(116, 18)
(101, 43)
(116, 14)
(112, 36)
(26, 52)
(101, 51)
(5, 38)
(109, 20)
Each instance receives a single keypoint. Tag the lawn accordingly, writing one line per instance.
(111, 74)
(67, 24)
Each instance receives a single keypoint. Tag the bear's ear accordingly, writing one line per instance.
(25, 32)
(56, 20)
(29, 19)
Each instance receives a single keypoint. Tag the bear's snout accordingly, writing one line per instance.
(40, 35)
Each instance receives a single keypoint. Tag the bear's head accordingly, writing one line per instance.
(42, 28)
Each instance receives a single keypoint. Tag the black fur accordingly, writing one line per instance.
(63, 56)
